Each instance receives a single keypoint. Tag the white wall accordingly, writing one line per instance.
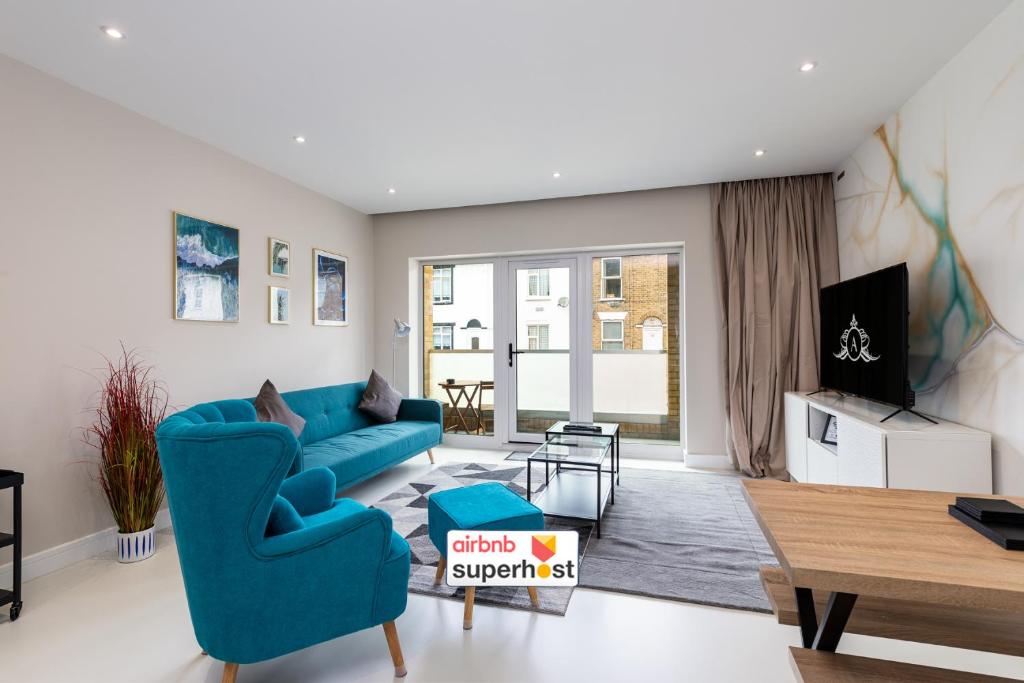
(939, 186)
(650, 217)
(86, 194)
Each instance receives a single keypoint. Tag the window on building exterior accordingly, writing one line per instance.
(443, 284)
(611, 335)
(540, 282)
(537, 337)
(611, 278)
(443, 334)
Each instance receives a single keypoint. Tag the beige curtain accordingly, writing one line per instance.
(776, 245)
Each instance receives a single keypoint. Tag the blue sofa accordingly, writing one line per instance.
(343, 439)
(272, 565)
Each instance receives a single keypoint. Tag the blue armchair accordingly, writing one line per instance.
(272, 565)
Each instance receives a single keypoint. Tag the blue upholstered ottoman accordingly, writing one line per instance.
(483, 507)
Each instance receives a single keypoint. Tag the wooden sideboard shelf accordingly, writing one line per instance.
(905, 452)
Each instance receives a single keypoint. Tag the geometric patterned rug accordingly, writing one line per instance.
(408, 509)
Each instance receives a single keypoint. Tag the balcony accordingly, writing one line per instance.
(630, 387)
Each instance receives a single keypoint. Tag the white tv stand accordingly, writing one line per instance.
(905, 452)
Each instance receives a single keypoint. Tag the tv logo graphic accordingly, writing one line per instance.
(854, 344)
(512, 558)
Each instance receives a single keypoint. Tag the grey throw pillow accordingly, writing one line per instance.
(270, 407)
(380, 400)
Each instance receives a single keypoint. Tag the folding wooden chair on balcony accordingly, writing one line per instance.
(483, 408)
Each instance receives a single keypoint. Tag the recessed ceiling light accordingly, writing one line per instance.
(112, 32)
(392, 190)
(299, 139)
(758, 152)
(556, 174)
(808, 66)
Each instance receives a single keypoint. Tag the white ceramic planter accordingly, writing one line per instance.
(136, 546)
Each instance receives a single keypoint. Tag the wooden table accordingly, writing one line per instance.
(463, 398)
(885, 543)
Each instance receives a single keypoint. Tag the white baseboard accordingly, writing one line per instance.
(718, 462)
(67, 554)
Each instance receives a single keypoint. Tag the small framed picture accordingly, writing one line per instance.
(828, 434)
(330, 288)
(280, 257)
(280, 306)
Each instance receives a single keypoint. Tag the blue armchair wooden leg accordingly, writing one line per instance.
(430, 454)
(391, 633)
(230, 673)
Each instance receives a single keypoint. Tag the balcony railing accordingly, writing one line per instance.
(630, 387)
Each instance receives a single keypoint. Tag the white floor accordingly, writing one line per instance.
(101, 621)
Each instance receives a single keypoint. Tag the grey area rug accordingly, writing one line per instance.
(682, 536)
(408, 509)
(673, 535)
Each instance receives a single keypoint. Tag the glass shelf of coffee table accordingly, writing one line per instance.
(580, 486)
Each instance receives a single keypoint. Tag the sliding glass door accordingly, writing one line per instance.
(511, 345)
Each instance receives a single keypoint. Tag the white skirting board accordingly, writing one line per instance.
(67, 554)
(718, 462)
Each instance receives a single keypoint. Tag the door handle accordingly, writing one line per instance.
(511, 353)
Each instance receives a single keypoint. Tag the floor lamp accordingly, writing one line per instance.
(401, 330)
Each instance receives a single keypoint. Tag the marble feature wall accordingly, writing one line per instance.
(941, 186)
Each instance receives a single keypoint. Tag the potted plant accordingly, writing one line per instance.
(131, 405)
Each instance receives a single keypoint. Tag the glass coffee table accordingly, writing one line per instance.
(578, 486)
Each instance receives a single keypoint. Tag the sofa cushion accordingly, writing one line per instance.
(380, 401)
(362, 453)
(270, 407)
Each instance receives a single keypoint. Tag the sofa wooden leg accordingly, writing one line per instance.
(391, 633)
(230, 673)
(467, 614)
(532, 590)
(440, 571)
(430, 454)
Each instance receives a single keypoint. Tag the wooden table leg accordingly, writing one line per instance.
(532, 590)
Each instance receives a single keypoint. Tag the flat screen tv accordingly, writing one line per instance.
(864, 344)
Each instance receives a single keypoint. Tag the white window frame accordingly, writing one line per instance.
(535, 341)
(534, 282)
(605, 278)
(605, 339)
(442, 300)
(450, 327)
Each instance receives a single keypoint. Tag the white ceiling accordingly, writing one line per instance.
(457, 102)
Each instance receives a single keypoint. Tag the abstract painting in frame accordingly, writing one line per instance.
(205, 270)
(280, 257)
(330, 287)
(280, 305)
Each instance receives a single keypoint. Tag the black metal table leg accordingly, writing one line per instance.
(16, 604)
(833, 622)
(618, 455)
(826, 634)
(529, 493)
(808, 617)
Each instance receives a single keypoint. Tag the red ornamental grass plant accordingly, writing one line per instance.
(131, 406)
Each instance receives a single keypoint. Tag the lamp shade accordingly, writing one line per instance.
(402, 329)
